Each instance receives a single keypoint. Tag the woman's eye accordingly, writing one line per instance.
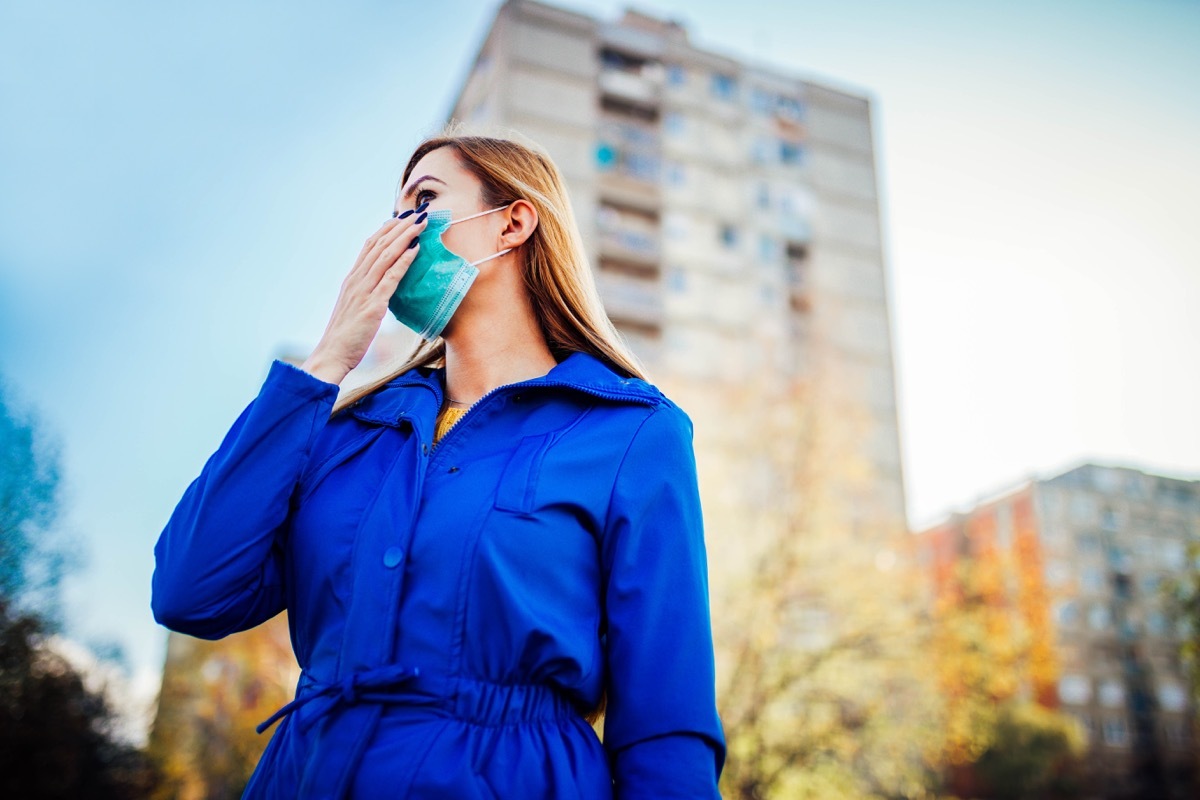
(424, 196)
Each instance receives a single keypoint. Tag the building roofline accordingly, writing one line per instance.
(746, 62)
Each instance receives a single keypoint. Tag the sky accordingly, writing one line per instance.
(184, 186)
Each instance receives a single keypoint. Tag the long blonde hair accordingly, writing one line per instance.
(557, 275)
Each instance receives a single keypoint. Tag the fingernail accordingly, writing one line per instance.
(414, 243)
(423, 206)
(395, 214)
(420, 219)
(406, 214)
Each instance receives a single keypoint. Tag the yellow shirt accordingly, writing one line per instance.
(446, 419)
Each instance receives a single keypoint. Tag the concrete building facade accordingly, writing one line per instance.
(1084, 557)
(731, 215)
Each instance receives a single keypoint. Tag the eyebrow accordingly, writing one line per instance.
(412, 187)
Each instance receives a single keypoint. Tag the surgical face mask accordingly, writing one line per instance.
(437, 280)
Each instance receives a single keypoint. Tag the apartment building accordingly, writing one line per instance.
(731, 215)
(1083, 558)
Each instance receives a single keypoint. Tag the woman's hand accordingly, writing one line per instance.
(364, 297)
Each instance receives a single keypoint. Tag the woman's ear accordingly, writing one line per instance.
(522, 222)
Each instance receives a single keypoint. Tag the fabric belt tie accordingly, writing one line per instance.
(369, 686)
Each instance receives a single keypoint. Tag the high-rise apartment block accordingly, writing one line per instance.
(731, 216)
(1081, 561)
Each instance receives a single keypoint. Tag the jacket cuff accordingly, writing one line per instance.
(290, 378)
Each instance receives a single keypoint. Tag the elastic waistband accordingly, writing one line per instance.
(475, 701)
(485, 703)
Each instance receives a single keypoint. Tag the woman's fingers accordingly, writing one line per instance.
(388, 233)
(403, 246)
(367, 289)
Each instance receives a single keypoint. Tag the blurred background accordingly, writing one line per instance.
(925, 276)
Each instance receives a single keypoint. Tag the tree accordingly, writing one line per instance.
(1033, 753)
(56, 736)
(997, 744)
(31, 563)
(824, 687)
(1182, 593)
(213, 695)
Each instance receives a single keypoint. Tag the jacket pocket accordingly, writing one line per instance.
(518, 482)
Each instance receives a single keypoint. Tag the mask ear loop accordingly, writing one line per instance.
(479, 214)
(489, 258)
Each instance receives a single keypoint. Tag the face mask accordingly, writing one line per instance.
(437, 280)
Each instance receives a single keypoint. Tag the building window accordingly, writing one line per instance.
(1098, 617)
(1111, 694)
(677, 226)
(674, 124)
(677, 280)
(1119, 559)
(763, 195)
(1075, 689)
(768, 250)
(724, 87)
(1116, 732)
(676, 173)
(761, 101)
(676, 75)
(729, 236)
(1156, 623)
(627, 229)
(790, 153)
(643, 166)
(1083, 509)
(1173, 555)
(763, 150)
(790, 108)
(1066, 613)
(1092, 580)
(1172, 697)
(1058, 572)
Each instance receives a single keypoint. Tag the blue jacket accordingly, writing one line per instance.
(455, 608)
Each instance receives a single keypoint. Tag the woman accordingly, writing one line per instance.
(479, 550)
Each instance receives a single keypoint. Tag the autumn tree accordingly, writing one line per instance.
(824, 685)
(213, 696)
(998, 743)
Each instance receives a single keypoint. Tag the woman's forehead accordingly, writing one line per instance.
(442, 164)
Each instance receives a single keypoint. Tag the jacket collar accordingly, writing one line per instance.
(419, 392)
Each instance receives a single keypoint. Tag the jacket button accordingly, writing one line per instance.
(392, 556)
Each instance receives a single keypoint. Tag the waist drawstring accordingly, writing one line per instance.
(357, 687)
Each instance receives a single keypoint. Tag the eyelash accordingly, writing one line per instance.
(422, 194)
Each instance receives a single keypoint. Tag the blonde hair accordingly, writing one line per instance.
(557, 275)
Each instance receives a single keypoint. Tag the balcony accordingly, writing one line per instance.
(629, 162)
(631, 79)
(629, 235)
(630, 300)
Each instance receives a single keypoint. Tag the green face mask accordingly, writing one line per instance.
(437, 280)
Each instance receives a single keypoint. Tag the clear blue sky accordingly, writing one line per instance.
(183, 187)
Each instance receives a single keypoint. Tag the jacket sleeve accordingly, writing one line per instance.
(218, 564)
(661, 728)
